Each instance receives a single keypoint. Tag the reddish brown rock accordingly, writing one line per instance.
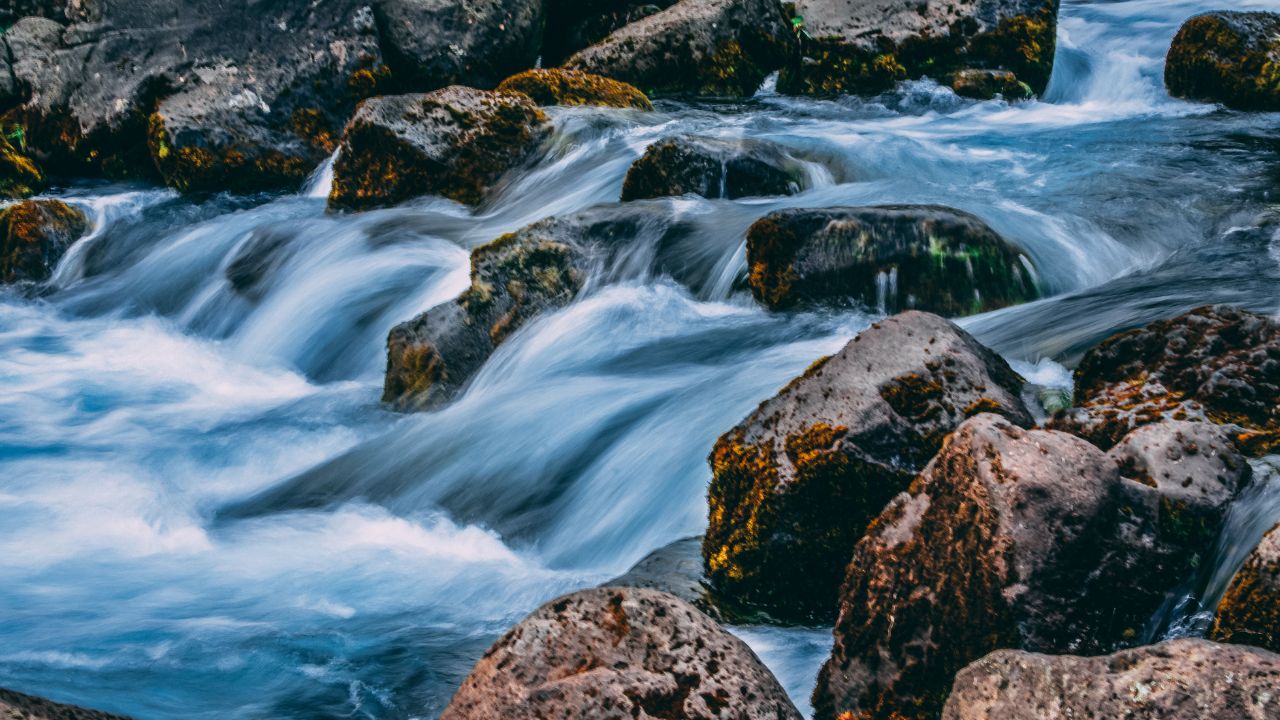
(1249, 613)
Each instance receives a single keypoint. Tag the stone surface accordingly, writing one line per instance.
(991, 547)
(1214, 363)
(576, 24)
(1175, 680)
(795, 484)
(34, 234)
(676, 569)
(892, 257)
(987, 84)
(712, 168)
(869, 45)
(456, 142)
(17, 706)
(615, 654)
(695, 47)
(19, 174)
(1249, 613)
(571, 87)
(1227, 57)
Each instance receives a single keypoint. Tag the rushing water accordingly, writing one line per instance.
(208, 514)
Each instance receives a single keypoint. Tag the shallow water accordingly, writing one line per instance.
(208, 514)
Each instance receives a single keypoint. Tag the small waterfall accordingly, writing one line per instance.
(320, 184)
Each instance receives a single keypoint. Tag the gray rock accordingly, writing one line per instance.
(695, 47)
(894, 257)
(795, 483)
(17, 706)
(1175, 680)
(1249, 613)
(615, 654)
(712, 168)
(456, 142)
(576, 24)
(1226, 57)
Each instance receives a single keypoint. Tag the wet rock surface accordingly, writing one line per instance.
(1249, 613)
(34, 234)
(868, 46)
(457, 142)
(676, 569)
(19, 175)
(895, 257)
(987, 84)
(576, 24)
(17, 706)
(571, 87)
(711, 168)
(721, 48)
(1175, 680)
(795, 484)
(615, 653)
(1227, 57)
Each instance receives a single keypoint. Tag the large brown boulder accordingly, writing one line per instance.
(1227, 57)
(17, 706)
(695, 47)
(1175, 680)
(1216, 363)
(34, 234)
(619, 654)
(869, 45)
(795, 484)
(456, 142)
(712, 168)
(894, 257)
(1249, 613)
(991, 548)
(572, 87)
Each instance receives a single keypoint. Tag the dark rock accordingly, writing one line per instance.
(434, 43)
(17, 706)
(796, 482)
(33, 236)
(14, 10)
(695, 47)
(1216, 363)
(24, 49)
(1175, 680)
(867, 46)
(571, 87)
(1249, 613)
(456, 142)
(19, 175)
(576, 24)
(257, 258)
(711, 168)
(1227, 57)
(893, 257)
(987, 84)
(615, 654)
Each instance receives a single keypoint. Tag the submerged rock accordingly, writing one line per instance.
(615, 654)
(571, 87)
(695, 47)
(1174, 680)
(866, 47)
(990, 549)
(17, 706)
(1249, 613)
(711, 168)
(19, 175)
(1227, 57)
(796, 482)
(34, 234)
(456, 142)
(1215, 363)
(893, 257)
(576, 24)
(987, 84)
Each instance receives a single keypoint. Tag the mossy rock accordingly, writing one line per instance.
(34, 235)
(1227, 57)
(988, 84)
(571, 87)
(457, 142)
(190, 163)
(19, 175)
(1249, 613)
(712, 168)
(890, 257)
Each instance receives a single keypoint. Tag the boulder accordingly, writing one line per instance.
(34, 234)
(434, 43)
(1249, 613)
(17, 706)
(615, 654)
(988, 84)
(1227, 57)
(1215, 363)
(1174, 680)
(990, 548)
(19, 175)
(866, 47)
(696, 47)
(457, 142)
(571, 87)
(795, 484)
(711, 168)
(891, 257)
(676, 569)
(576, 24)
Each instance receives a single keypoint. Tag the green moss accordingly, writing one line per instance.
(573, 87)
